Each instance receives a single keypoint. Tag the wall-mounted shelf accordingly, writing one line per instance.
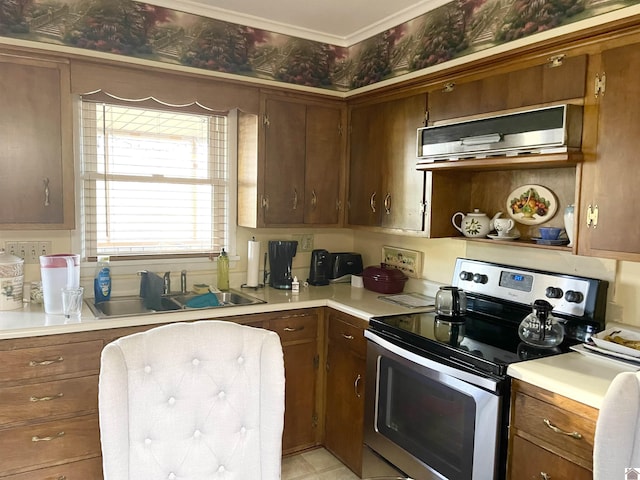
(549, 160)
(519, 243)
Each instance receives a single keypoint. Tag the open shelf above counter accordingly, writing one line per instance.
(550, 160)
(519, 243)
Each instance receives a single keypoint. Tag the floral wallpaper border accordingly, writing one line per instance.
(136, 29)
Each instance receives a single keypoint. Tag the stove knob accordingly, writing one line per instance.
(480, 278)
(466, 276)
(553, 292)
(573, 297)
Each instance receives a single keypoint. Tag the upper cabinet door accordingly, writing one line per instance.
(366, 156)
(403, 201)
(535, 85)
(285, 126)
(324, 165)
(36, 153)
(610, 189)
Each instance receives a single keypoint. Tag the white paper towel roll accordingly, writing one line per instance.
(253, 263)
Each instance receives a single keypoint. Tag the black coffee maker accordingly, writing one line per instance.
(281, 253)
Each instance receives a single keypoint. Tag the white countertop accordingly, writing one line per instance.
(573, 375)
(584, 379)
(31, 320)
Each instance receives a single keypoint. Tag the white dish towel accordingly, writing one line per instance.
(617, 438)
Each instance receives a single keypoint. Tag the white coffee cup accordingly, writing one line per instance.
(503, 226)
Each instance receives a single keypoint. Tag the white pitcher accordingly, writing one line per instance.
(58, 271)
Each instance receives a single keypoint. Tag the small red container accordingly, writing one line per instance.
(383, 279)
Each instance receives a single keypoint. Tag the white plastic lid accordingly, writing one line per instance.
(8, 259)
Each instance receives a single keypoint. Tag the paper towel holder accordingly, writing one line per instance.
(259, 285)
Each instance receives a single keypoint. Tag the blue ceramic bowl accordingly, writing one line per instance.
(550, 233)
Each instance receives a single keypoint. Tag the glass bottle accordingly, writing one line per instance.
(223, 271)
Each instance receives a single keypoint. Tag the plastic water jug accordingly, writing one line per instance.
(58, 271)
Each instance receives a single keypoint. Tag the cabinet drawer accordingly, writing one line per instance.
(295, 327)
(45, 444)
(539, 418)
(48, 399)
(530, 462)
(347, 335)
(31, 363)
(84, 470)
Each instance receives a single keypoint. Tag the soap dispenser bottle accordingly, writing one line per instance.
(223, 271)
(102, 280)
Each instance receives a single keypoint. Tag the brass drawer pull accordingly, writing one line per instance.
(42, 363)
(575, 435)
(356, 384)
(47, 439)
(45, 399)
(291, 329)
(297, 315)
(347, 337)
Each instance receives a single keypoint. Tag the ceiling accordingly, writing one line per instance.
(337, 22)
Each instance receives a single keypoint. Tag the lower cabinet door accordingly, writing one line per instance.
(45, 444)
(300, 425)
(531, 462)
(84, 470)
(345, 406)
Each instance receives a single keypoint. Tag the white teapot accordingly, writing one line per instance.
(475, 224)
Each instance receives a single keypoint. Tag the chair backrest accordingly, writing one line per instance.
(617, 439)
(192, 401)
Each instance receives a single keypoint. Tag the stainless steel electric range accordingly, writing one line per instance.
(439, 409)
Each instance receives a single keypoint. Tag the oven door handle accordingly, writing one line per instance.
(474, 379)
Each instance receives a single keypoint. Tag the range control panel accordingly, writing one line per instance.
(569, 294)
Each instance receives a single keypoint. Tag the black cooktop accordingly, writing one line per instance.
(487, 345)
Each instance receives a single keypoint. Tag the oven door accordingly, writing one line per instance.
(428, 423)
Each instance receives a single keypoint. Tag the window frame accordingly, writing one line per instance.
(178, 261)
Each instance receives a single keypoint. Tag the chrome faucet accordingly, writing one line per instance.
(166, 289)
(183, 281)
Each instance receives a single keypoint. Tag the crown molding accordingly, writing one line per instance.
(397, 18)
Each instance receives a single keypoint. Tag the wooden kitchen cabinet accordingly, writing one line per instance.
(533, 85)
(605, 223)
(385, 189)
(345, 386)
(36, 144)
(49, 424)
(550, 436)
(49, 406)
(299, 175)
(298, 332)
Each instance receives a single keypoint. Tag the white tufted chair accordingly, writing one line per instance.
(617, 440)
(192, 401)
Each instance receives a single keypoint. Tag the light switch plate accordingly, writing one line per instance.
(305, 242)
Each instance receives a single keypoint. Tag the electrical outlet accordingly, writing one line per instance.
(305, 242)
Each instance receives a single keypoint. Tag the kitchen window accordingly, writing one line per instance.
(156, 182)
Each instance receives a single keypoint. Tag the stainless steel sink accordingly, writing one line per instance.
(226, 299)
(123, 306)
(129, 306)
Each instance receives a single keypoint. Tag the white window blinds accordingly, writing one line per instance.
(154, 182)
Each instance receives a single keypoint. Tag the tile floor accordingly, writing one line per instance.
(316, 464)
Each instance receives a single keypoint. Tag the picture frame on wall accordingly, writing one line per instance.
(407, 261)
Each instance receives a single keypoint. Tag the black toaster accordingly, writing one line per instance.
(345, 263)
